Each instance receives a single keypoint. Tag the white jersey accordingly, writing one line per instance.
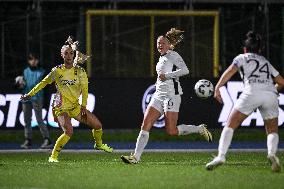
(173, 66)
(256, 72)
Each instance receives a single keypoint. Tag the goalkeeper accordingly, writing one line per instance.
(71, 81)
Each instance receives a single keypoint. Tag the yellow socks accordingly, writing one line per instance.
(61, 141)
(97, 134)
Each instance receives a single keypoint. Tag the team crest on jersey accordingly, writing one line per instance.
(145, 102)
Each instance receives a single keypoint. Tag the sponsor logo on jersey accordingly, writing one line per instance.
(68, 82)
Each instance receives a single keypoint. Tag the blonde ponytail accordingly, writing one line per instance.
(174, 36)
(80, 58)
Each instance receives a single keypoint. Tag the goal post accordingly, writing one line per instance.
(99, 22)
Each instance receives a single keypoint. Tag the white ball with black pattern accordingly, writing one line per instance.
(204, 89)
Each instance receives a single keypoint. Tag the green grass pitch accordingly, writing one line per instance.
(156, 170)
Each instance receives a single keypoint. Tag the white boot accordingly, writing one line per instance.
(217, 161)
(275, 163)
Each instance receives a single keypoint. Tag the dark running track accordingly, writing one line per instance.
(154, 145)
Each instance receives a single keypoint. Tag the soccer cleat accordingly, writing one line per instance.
(104, 147)
(275, 163)
(52, 160)
(217, 161)
(26, 144)
(46, 144)
(129, 159)
(205, 133)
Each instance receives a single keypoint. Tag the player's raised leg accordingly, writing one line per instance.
(93, 122)
(171, 106)
(151, 115)
(64, 122)
(171, 122)
(235, 119)
(171, 128)
(271, 126)
(184, 129)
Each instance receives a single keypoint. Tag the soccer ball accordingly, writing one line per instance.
(204, 88)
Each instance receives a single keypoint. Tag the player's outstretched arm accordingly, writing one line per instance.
(226, 76)
(47, 80)
(84, 87)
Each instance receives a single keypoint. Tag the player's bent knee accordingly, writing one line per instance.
(146, 127)
(271, 125)
(95, 124)
(98, 126)
(270, 130)
(69, 131)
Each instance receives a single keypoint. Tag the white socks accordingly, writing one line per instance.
(187, 129)
(141, 142)
(227, 135)
(225, 141)
(143, 137)
(272, 143)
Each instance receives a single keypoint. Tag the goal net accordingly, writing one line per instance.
(123, 42)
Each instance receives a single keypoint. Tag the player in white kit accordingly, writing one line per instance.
(259, 92)
(167, 98)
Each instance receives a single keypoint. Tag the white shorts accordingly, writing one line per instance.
(166, 104)
(266, 102)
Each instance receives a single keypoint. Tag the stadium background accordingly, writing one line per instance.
(121, 70)
(123, 49)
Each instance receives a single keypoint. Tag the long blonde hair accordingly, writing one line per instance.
(174, 36)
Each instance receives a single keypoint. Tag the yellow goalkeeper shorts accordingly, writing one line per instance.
(72, 112)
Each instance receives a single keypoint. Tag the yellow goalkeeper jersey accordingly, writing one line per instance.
(70, 84)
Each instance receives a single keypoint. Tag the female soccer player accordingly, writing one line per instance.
(259, 92)
(167, 98)
(71, 81)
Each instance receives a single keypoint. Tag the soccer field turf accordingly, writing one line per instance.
(157, 170)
